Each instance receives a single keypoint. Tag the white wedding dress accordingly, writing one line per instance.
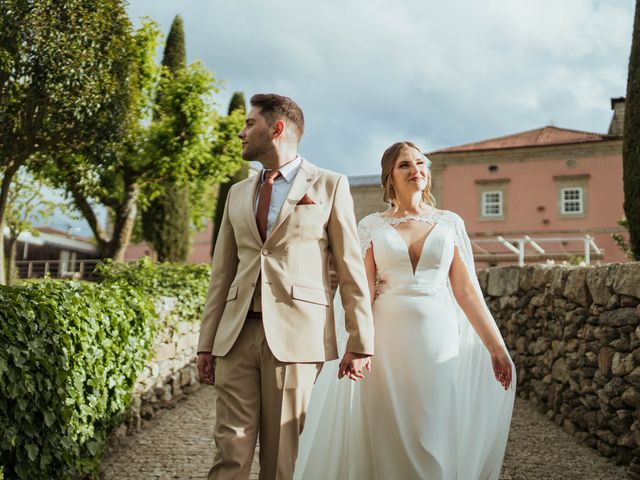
(431, 408)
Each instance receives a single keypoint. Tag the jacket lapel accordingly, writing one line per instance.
(305, 178)
(249, 208)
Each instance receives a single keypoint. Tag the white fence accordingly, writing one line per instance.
(80, 269)
(525, 249)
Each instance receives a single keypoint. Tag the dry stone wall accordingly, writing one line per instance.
(574, 335)
(169, 375)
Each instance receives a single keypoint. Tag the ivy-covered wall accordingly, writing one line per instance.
(72, 354)
(69, 359)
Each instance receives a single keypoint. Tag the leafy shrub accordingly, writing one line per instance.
(187, 282)
(620, 240)
(70, 355)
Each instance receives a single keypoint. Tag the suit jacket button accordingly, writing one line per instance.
(265, 252)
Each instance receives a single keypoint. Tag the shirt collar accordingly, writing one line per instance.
(289, 170)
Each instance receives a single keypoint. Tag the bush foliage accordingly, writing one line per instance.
(188, 283)
(70, 355)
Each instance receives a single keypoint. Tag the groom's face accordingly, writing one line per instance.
(256, 136)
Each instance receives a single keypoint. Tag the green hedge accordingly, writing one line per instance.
(186, 282)
(70, 355)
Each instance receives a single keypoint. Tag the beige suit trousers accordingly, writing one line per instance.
(258, 395)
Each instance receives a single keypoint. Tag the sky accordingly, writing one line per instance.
(370, 73)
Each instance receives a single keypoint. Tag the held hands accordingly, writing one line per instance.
(501, 366)
(206, 370)
(353, 364)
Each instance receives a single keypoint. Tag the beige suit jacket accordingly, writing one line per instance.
(297, 305)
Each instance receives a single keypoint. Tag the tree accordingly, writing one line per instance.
(166, 221)
(60, 76)
(166, 224)
(26, 205)
(631, 142)
(169, 134)
(237, 106)
(237, 102)
(622, 242)
(175, 56)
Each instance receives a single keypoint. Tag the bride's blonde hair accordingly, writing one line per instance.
(389, 158)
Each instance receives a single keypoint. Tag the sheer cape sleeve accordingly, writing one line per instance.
(366, 228)
(332, 428)
(484, 407)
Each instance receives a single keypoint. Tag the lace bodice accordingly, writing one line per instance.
(394, 269)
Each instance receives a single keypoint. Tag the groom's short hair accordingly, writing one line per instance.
(278, 107)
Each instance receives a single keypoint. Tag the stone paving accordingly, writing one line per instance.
(178, 444)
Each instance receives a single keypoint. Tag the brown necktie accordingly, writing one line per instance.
(264, 200)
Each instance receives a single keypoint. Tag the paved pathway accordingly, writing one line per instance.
(179, 444)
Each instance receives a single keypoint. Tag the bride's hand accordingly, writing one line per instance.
(353, 365)
(502, 367)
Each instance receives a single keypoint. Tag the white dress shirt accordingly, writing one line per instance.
(281, 187)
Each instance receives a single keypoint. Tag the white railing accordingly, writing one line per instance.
(517, 249)
(80, 269)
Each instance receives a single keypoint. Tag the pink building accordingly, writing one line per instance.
(200, 248)
(548, 193)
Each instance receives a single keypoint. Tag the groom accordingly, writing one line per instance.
(268, 319)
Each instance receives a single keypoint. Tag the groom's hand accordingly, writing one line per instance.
(206, 370)
(353, 364)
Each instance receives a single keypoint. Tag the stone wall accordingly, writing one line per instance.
(168, 376)
(574, 335)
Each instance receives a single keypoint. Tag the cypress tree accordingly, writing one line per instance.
(237, 103)
(166, 221)
(175, 56)
(631, 142)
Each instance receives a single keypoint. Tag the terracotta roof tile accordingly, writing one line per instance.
(548, 135)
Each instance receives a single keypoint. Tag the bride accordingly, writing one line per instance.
(430, 408)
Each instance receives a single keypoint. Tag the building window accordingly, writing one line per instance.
(572, 195)
(571, 201)
(492, 204)
(492, 199)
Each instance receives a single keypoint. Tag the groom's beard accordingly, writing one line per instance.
(258, 151)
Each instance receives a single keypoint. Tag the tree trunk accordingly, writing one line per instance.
(123, 225)
(11, 263)
(2, 260)
(631, 142)
(89, 215)
(7, 178)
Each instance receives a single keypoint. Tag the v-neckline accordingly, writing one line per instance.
(406, 246)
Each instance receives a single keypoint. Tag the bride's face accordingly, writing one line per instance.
(410, 173)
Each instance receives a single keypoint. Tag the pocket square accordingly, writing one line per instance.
(306, 200)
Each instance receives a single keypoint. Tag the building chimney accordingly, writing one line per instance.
(617, 122)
